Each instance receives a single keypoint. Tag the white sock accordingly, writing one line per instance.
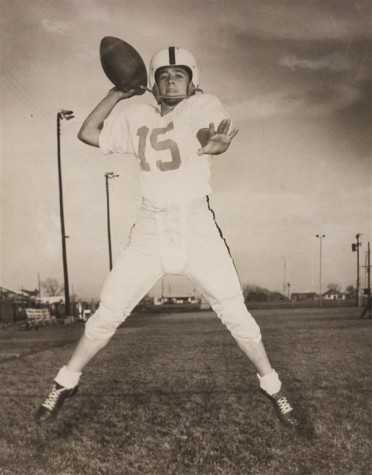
(67, 378)
(270, 383)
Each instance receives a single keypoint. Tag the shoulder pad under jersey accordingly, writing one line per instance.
(137, 108)
(204, 100)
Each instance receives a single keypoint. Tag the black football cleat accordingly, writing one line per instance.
(284, 410)
(50, 408)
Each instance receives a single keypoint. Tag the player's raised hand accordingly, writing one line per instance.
(120, 94)
(219, 140)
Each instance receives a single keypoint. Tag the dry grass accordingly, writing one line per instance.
(172, 394)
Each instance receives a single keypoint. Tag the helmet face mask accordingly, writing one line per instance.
(169, 57)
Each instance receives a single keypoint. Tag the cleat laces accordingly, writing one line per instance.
(284, 405)
(52, 399)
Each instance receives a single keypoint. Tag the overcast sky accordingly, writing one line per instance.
(296, 76)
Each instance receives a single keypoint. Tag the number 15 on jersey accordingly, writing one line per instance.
(157, 140)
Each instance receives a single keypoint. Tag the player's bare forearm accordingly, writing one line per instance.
(92, 125)
(218, 141)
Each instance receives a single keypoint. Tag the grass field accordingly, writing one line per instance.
(173, 394)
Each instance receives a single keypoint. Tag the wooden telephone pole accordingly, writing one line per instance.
(368, 308)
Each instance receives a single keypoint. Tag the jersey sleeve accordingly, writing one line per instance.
(115, 135)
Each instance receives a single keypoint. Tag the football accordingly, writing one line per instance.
(123, 65)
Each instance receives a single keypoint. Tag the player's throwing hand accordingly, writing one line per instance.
(218, 140)
(115, 91)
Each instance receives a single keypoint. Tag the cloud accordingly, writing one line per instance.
(316, 20)
(334, 62)
(310, 102)
(262, 106)
(53, 26)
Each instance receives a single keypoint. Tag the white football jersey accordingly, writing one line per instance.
(166, 146)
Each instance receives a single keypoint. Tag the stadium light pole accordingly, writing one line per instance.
(355, 248)
(67, 115)
(320, 237)
(108, 176)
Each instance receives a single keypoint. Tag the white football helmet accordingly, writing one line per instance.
(173, 56)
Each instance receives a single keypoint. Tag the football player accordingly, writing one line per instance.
(176, 231)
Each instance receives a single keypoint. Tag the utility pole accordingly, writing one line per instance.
(368, 307)
(284, 274)
(108, 176)
(320, 237)
(369, 271)
(63, 114)
(355, 248)
(369, 303)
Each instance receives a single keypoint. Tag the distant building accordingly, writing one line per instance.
(51, 300)
(14, 296)
(180, 300)
(332, 294)
(179, 303)
(304, 296)
(13, 304)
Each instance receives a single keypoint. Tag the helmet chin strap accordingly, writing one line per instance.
(144, 88)
(182, 96)
(169, 98)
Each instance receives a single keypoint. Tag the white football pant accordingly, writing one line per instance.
(182, 239)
